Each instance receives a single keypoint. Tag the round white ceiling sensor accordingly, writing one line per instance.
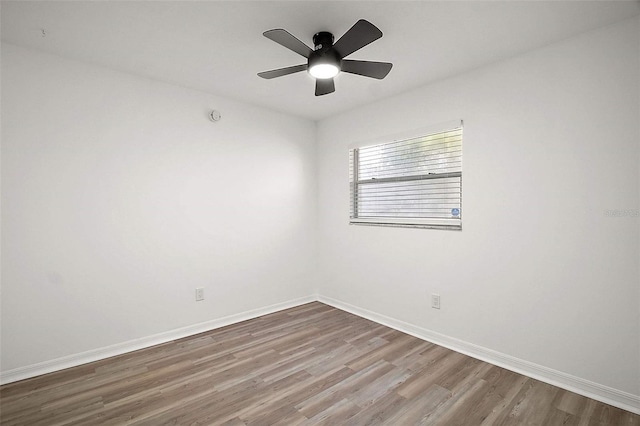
(215, 116)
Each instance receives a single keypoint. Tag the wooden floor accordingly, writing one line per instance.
(309, 365)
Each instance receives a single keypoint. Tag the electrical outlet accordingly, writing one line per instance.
(435, 301)
(199, 294)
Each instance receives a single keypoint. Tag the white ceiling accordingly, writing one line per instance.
(218, 47)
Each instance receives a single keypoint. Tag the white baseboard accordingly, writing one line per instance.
(596, 391)
(74, 360)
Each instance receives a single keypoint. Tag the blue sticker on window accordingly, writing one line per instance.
(455, 212)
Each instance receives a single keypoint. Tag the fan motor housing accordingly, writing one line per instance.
(322, 40)
(324, 52)
(328, 57)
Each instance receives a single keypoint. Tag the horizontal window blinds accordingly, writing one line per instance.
(413, 182)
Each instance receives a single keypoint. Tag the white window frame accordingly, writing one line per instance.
(451, 223)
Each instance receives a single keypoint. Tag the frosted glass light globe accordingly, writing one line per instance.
(324, 71)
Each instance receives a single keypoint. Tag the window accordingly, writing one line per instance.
(414, 182)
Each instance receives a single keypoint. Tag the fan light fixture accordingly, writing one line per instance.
(324, 71)
(323, 63)
(327, 59)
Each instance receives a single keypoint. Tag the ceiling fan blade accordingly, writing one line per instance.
(289, 41)
(324, 86)
(362, 33)
(371, 69)
(282, 71)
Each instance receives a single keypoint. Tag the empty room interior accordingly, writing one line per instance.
(305, 213)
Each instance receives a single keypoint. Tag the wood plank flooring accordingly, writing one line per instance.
(309, 365)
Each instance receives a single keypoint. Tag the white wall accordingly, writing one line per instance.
(539, 272)
(120, 197)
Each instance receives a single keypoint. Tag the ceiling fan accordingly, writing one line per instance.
(326, 60)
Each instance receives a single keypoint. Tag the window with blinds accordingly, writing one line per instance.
(414, 182)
